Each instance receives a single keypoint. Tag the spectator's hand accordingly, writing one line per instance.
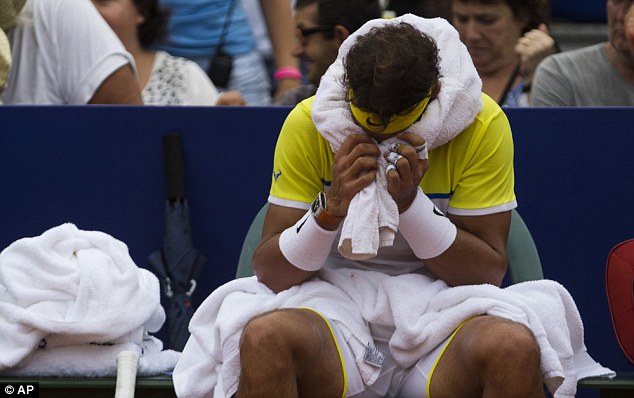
(284, 85)
(532, 48)
(403, 181)
(353, 168)
(629, 28)
(230, 98)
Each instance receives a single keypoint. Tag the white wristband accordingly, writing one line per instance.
(306, 245)
(428, 232)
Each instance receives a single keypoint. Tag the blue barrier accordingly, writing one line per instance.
(591, 11)
(101, 167)
(574, 179)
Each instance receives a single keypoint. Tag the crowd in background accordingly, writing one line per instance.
(248, 52)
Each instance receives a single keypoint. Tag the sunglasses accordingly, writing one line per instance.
(303, 33)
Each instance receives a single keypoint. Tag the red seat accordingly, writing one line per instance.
(619, 284)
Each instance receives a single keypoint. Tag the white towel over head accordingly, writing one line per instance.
(373, 217)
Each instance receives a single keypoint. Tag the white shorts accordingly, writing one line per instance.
(393, 381)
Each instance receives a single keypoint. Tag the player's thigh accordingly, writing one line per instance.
(306, 338)
(480, 346)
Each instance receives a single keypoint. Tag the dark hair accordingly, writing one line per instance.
(536, 11)
(349, 13)
(154, 29)
(391, 69)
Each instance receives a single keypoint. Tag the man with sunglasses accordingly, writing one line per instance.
(321, 27)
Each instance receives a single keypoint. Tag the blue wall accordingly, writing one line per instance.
(574, 170)
(591, 11)
(102, 168)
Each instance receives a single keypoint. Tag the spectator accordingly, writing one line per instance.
(262, 29)
(507, 39)
(322, 25)
(629, 28)
(5, 60)
(65, 53)
(7, 21)
(165, 79)
(597, 75)
(204, 30)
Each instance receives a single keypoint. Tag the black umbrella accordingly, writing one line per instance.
(177, 263)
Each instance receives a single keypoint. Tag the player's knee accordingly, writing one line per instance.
(264, 333)
(513, 344)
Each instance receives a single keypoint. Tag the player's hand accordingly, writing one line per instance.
(354, 168)
(410, 163)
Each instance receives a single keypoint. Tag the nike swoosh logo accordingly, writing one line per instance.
(302, 224)
(438, 212)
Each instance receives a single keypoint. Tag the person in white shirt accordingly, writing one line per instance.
(5, 60)
(163, 78)
(63, 52)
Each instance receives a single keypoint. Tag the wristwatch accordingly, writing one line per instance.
(320, 212)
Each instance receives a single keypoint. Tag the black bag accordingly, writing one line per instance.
(220, 69)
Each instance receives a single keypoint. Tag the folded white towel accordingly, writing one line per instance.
(423, 312)
(73, 288)
(374, 220)
(91, 360)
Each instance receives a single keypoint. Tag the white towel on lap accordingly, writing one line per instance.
(70, 292)
(423, 311)
(372, 217)
(210, 360)
(544, 306)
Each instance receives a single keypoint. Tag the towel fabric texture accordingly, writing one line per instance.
(423, 311)
(458, 102)
(71, 300)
